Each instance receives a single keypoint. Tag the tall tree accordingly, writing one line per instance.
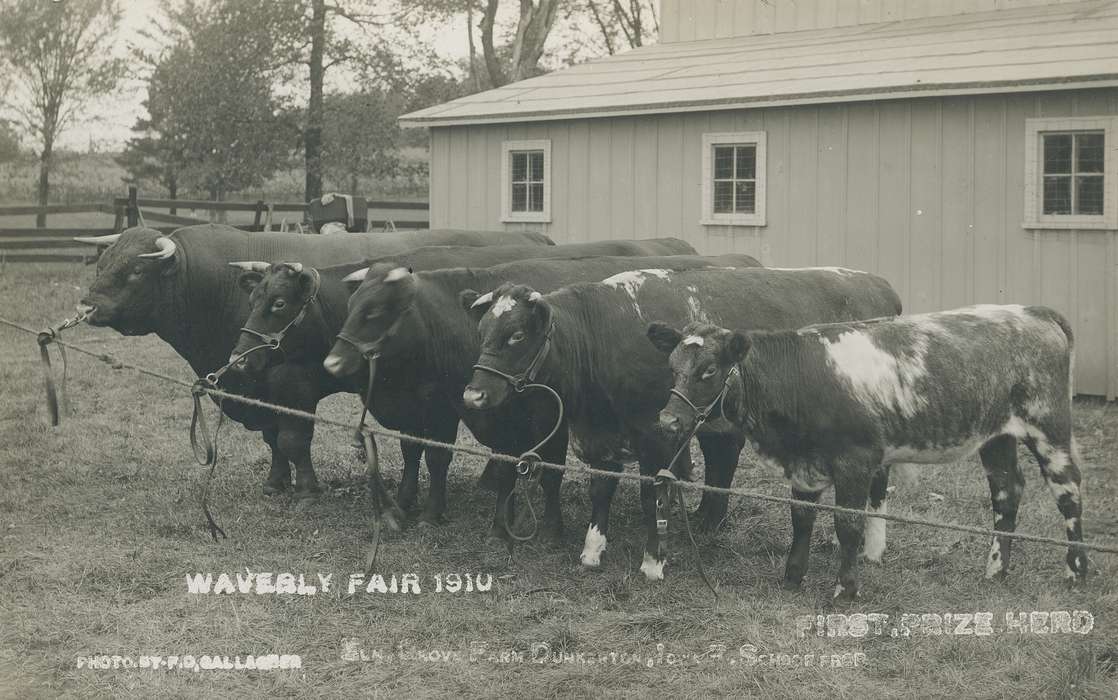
(537, 17)
(58, 55)
(621, 22)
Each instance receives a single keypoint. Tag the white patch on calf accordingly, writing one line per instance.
(878, 378)
(874, 539)
(694, 340)
(994, 563)
(1070, 523)
(653, 570)
(593, 547)
(632, 280)
(505, 303)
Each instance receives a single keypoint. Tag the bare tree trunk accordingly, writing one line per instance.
(493, 67)
(44, 181)
(312, 135)
(173, 192)
(606, 33)
(531, 35)
(473, 48)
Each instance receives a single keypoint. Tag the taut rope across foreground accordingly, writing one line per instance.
(578, 469)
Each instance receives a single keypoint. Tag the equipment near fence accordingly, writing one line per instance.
(348, 210)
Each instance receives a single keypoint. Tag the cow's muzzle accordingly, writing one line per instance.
(670, 423)
(475, 398)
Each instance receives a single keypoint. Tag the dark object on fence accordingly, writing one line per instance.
(352, 212)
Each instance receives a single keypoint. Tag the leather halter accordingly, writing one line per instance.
(372, 349)
(702, 414)
(272, 340)
(521, 381)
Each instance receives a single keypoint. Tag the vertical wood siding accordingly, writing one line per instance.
(928, 193)
(687, 20)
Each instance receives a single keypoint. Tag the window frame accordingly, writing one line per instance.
(507, 149)
(1035, 129)
(757, 139)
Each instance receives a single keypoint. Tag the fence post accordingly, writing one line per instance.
(133, 208)
(259, 213)
(118, 222)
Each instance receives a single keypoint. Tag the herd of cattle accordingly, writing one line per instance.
(641, 340)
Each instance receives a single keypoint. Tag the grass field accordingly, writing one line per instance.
(100, 526)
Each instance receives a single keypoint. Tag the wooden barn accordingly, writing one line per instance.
(967, 150)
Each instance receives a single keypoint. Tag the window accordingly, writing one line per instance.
(525, 180)
(734, 179)
(1070, 173)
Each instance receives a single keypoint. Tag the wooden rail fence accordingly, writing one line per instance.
(56, 244)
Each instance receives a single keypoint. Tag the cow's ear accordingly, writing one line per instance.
(663, 336)
(248, 280)
(738, 347)
(541, 310)
(474, 303)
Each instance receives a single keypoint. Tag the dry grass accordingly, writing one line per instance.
(100, 524)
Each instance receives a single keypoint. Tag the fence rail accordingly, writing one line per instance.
(45, 244)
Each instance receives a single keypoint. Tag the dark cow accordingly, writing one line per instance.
(181, 288)
(835, 404)
(414, 321)
(435, 257)
(614, 383)
(402, 399)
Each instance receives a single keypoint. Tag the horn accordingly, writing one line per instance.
(358, 276)
(98, 240)
(483, 299)
(252, 266)
(296, 266)
(396, 274)
(166, 250)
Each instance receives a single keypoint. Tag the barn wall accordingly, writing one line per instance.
(686, 20)
(928, 193)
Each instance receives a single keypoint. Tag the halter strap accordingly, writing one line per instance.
(528, 376)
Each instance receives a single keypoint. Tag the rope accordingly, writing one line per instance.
(586, 471)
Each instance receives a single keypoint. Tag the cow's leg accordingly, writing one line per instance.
(803, 522)
(720, 455)
(555, 451)
(279, 474)
(409, 479)
(852, 476)
(1056, 457)
(502, 476)
(438, 460)
(601, 496)
(294, 440)
(873, 543)
(1007, 484)
(653, 453)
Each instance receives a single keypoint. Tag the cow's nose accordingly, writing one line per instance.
(237, 361)
(669, 422)
(86, 308)
(333, 364)
(475, 398)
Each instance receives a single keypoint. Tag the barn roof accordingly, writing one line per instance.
(1049, 47)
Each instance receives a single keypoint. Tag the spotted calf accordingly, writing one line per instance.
(836, 404)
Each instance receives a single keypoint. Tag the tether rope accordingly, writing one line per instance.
(585, 471)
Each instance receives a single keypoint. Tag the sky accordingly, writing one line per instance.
(108, 121)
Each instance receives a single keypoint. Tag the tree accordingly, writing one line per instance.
(359, 137)
(211, 101)
(157, 152)
(9, 142)
(632, 22)
(537, 17)
(59, 57)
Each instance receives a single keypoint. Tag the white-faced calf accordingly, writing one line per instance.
(834, 404)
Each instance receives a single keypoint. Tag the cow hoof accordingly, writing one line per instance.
(845, 595)
(653, 569)
(552, 532)
(793, 585)
(496, 536)
(307, 494)
(274, 489)
(431, 520)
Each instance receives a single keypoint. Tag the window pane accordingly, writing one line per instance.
(723, 162)
(535, 197)
(1089, 194)
(535, 163)
(520, 197)
(519, 167)
(1057, 195)
(1057, 153)
(745, 196)
(1089, 150)
(724, 197)
(746, 162)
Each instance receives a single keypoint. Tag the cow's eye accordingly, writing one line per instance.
(709, 372)
(278, 304)
(137, 271)
(516, 337)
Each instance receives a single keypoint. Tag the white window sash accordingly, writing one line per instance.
(1034, 216)
(507, 149)
(751, 138)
